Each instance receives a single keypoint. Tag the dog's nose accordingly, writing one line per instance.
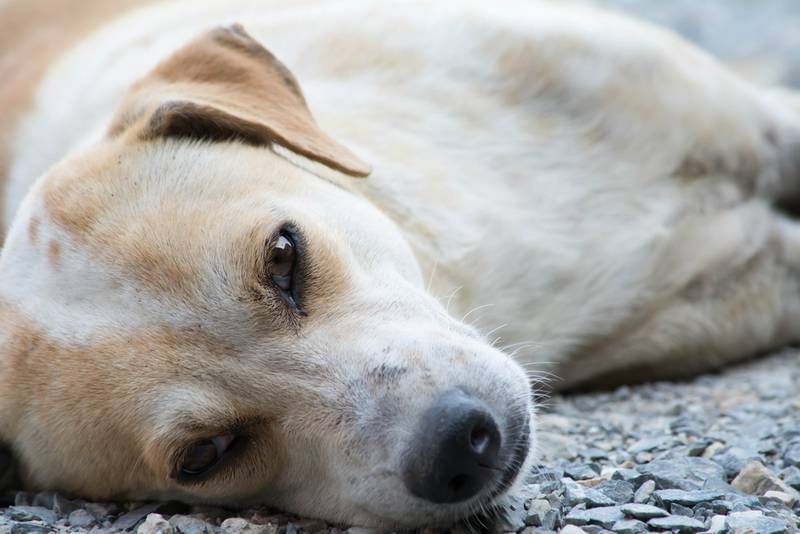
(455, 453)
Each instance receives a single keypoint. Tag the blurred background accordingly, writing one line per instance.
(759, 38)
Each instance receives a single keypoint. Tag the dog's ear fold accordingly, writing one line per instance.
(225, 86)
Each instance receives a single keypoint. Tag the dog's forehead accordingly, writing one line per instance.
(163, 212)
(119, 235)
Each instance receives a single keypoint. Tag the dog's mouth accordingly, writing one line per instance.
(490, 506)
(518, 455)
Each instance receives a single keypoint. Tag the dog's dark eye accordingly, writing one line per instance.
(282, 262)
(204, 454)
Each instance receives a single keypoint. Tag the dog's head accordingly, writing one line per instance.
(190, 313)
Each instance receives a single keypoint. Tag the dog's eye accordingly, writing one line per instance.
(204, 454)
(282, 262)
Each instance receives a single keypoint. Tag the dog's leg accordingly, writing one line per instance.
(733, 297)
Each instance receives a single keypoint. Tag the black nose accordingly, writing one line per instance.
(455, 453)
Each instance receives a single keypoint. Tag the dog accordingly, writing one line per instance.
(209, 294)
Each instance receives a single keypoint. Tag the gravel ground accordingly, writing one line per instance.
(718, 454)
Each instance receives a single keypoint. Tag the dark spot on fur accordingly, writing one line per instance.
(386, 374)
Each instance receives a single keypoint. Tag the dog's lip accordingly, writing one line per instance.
(519, 452)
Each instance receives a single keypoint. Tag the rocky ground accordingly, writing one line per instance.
(717, 454)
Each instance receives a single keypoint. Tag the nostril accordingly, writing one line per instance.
(458, 483)
(479, 439)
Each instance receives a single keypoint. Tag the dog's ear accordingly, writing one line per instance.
(225, 86)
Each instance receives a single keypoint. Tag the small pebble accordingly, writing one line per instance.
(63, 506)
(155, 524)
(191, 525)
(755, 521)
(81, 518)
(26, 513)
(629, 526)
(687, 498)
(237, 525)
(782, 497)
(644, 492)
(618, 491)
(605, 516)
(756, 479)
(791, 476)
(643, 511)
(676, 523)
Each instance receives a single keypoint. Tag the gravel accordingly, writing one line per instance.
(718, 454)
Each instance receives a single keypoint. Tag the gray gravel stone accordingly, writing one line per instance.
(679, 509)
(580, 471)
(630, 475)
(551, 519)
(755, 521)
(191, 525)
(129, 520)
(81, 518)
(677, 523)
(735, 459)
(791, 476)
(687, 498)
(575, 493)
(63, 506)
(604, 516)
(756, 479)
(643, 511)
(792, 455)
(651, 443)
(26, 513)
(644, 492)
(155, 524)
(31, 527)
(698, 447)
(682, 473)
(629, 526)
(717, 525)
(43, 499)
(618, 491)
(237, 525)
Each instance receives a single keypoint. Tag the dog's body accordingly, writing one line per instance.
(596, 190)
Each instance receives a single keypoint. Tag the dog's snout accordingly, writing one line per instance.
(455, 452)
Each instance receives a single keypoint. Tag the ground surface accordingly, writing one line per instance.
(717, 454)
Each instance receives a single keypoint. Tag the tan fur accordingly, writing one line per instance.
(32, 35)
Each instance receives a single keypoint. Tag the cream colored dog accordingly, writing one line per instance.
(202, 297)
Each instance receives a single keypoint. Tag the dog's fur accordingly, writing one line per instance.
(591, 190)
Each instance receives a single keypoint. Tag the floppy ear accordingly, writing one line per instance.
(225, 86)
